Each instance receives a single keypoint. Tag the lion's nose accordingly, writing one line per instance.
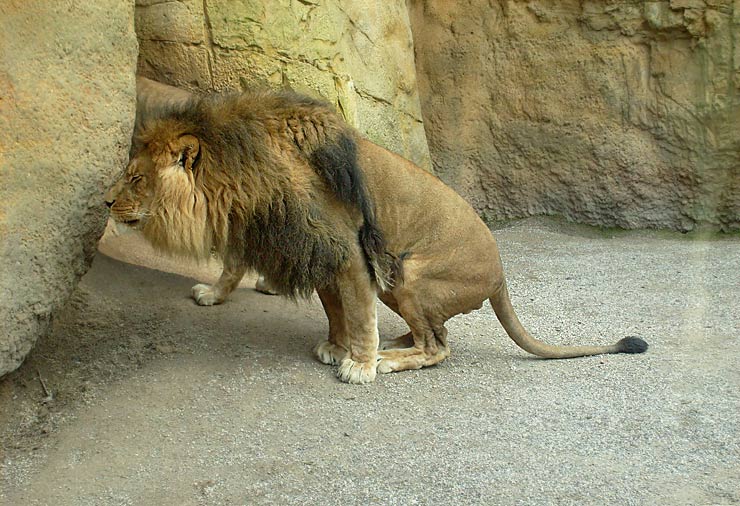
(109, 203)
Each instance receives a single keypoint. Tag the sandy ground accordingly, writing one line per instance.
(140, 397)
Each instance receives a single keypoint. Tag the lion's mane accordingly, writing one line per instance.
(263, 159)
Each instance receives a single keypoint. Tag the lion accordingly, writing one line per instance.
(278, 182)
(154, 98)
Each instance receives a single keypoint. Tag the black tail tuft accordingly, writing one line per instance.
(632, 344)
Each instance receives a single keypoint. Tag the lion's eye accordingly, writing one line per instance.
(135, 179)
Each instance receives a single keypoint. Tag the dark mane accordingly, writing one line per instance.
(282, 243)
(155, 100)
(251, 145)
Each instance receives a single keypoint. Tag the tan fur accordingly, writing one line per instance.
(258, 206)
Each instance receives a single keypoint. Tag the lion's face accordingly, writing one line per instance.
(131, 198)
(158, 195)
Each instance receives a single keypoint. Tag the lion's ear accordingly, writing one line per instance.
(186, 148)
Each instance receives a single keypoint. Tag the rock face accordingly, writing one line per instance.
(66, 112)
(609, 113)
(355, 54)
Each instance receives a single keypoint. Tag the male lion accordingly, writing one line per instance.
(279, 183)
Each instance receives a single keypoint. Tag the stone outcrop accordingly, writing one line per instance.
(66, 112)
(357, 55)
(609, 113)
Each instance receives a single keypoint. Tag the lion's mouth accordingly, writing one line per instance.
(133, 224)
(129, 222)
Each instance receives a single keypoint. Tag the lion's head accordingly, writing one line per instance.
(160, 194)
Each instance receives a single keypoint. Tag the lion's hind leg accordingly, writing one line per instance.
(428, 346)
(429, 351)
(404, 341)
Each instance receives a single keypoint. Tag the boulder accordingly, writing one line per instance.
(67, 105)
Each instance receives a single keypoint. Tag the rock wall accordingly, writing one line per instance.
(609, 113)
(357, 55)
(66, 112)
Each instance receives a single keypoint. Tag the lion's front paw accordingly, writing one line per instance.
(264, 286)
(329, 353)
(205, 295)
(357, 373)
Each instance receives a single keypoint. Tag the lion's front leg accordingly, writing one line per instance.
(358, 301)
(208, 295)
(264, 286)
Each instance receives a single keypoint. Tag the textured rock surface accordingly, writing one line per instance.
(609, 113)
(358, 56)
(66, 113)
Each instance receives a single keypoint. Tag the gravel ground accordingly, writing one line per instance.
(154, 400)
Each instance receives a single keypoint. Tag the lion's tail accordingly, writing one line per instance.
(501, 304)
